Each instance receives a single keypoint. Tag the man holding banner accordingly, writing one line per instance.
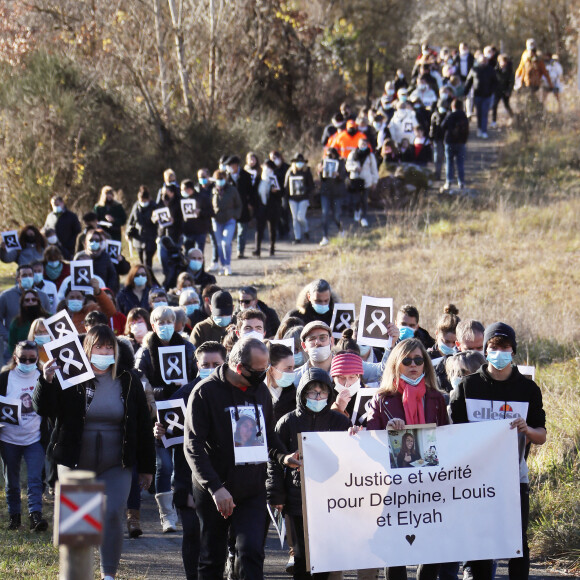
(499, 391)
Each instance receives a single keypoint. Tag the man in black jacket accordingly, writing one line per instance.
(230, 493)
(455, 129)
(499, 391)
(482, 78)
(66, 225)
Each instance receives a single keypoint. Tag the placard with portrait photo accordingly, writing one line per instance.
(249, 434)
(414, 446)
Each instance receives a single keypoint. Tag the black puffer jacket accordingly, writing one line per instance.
(283, 485)
(67, 410)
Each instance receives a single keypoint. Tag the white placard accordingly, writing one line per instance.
(163, 216)
(343, 317)
(465, 508)
(10, 411)
(329, 168)
(527, 371)
(362, 403)
(279, 522)
(375, 314)
(171, 414)
(248, 438)
(11, 240)
(296, 186)
(173, 364)
(289, 342)
(114, 250)
(74, 366)
(81, 273)
(60, 324)
(189, 208)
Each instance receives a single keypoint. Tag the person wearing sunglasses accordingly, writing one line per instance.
(248, 298)
(23, 440)
(408, 395)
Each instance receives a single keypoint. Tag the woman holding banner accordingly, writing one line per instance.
(408, 395)
(103, 425)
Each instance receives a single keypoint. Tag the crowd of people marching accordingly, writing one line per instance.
(278, 376)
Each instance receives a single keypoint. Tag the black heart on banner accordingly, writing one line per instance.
(410, 539)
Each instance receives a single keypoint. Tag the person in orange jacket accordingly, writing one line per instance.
(346, 141)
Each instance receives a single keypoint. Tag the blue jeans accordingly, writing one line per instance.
(163, 468)
(361, 202)
(12, 457)
(330, 204)
(193, 241)
(482, 107)
(224, 234)
(455, 151)
(438, 157)
(242, 235)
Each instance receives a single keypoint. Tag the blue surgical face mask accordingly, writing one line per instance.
(26, 369)
(406, 332)
(222, 321)
(38, 277)
(298, 359)
(403, 98)
(316, 405)
(75, 305)
(455, 382)
(286, 380)
(159, 305)
(364, 349)
(94, 246)
(195, 265)
(102, 361)
(41, 339)
(221, 182)
(320, 308)
(165, 331)
(204, 373)
(140, 281)
(499, 359)
(299, 164)
(27, 282)
(191, 308)
(203, 180)
(54, 264)
(446, 350)
(412, 382)
(442, 110)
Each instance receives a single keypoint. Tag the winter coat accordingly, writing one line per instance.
(455, 128)
(307, 314)
(226, 203)
(127, 299)
(308, 183)
(140, 228)
(403, 124)
(505, 80)
(532, 70)
(435, 131)
(202, 223)
(387, 406)
(345, 143)
(363, 167)
(116, 210)
(247, 194)
(67, 228)
(209, 442)
(27, 255)
(283, 485)
(482, 78)
(105, 269)
(67, 410)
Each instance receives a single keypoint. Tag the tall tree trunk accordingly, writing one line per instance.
(161, 59)
(180, 51)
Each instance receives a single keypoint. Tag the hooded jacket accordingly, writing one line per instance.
(67, 410)
(209, 441)
(283, 485)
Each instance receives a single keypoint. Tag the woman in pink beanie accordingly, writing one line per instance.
(346, 371)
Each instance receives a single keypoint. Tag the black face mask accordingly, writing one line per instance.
(351, 132)
(256, 377)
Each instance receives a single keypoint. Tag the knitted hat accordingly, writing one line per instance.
(346, 363)
(500, 329)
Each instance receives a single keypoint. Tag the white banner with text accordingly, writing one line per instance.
(415, 496)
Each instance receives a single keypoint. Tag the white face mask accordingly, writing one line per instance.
(319, 353)
(254, 334)
(352, 389)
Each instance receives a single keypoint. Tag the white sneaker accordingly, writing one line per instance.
(214, 267)
(493, 125)
(227, 271)
(484, 136)
(324, 241)
(446, 187)
(364, 223)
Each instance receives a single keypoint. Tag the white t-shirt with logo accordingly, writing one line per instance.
(21, 386)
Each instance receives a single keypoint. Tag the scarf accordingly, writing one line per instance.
(413, 402)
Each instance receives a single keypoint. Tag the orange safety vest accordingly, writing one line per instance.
(345, 143)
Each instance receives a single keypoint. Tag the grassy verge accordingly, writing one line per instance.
(511, 254)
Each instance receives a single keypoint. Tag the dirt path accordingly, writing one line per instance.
(156, 555)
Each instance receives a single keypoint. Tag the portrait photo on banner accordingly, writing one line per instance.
(171, 414)
(343, 317)
(73, 364)
(248, 434)
(414, 446)
(81, 273)
(173, 365)
(11, 240)
(375, 314)
(11, 411)
(60, 325)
